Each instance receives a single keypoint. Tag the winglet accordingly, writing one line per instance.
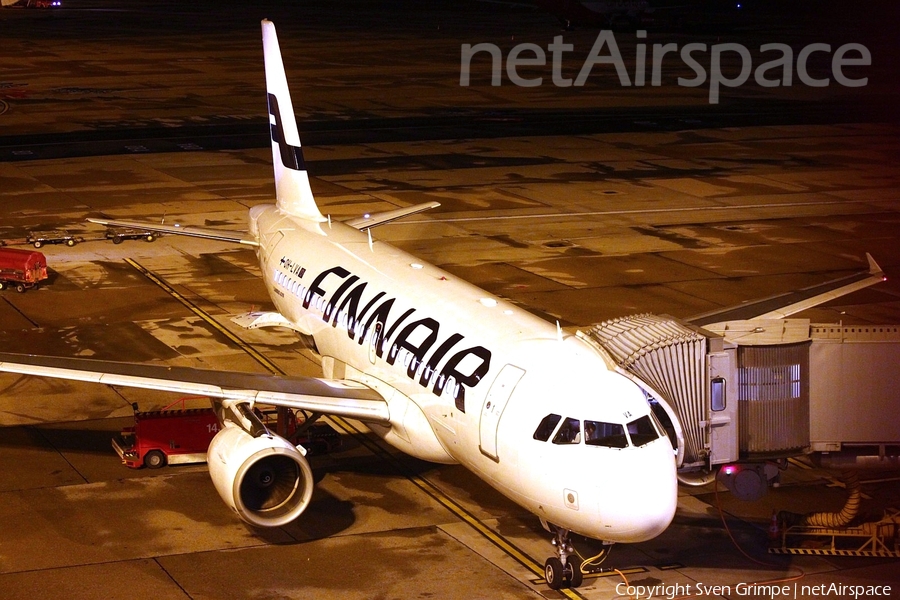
(292, 192)
(874, 269)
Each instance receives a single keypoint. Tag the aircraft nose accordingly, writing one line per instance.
(640, 504)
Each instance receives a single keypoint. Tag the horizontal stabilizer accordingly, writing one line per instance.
(784, 305)
(327, 396)
(238, 237)
(373, 220)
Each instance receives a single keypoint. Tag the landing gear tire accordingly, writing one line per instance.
(565, 567)
(554, 573)
(154, 459)
(573, 571)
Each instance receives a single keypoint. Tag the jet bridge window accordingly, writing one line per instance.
(569, 432)
(717, 393)
(600, 433)
(642, 431)
(548, 424)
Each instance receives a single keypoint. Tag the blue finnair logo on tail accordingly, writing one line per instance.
(291, 156)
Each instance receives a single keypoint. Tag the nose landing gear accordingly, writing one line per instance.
(565, 567)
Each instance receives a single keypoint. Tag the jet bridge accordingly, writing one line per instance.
(748, 394)
(680, 368)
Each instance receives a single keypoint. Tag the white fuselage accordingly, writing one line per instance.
(469, 378)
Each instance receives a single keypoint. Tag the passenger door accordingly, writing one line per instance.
(723, 409)
(492, 409)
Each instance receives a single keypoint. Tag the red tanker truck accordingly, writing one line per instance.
(21, 269)
(180, 436)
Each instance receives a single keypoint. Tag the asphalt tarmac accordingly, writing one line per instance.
(579, 205)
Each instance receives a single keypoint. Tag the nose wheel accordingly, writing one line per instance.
(564, 568)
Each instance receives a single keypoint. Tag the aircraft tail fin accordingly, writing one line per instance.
(292, 192)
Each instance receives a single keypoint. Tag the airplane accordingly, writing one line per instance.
(436, 367)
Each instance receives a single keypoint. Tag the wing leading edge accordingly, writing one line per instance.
(784, 305)
(328, 396)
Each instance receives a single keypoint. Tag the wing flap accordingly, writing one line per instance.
(237, 237)
(329, 396)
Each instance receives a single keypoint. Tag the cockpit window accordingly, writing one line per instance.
(569, 432)
(599, 433)
(548, 424)
(642, 431)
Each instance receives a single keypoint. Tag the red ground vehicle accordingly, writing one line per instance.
(32, 3)
(22, 269)
(162, 437)
(182, 436)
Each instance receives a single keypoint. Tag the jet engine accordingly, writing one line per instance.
(263, 478)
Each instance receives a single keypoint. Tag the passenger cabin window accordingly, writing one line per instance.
(548, 424)
(569, 432)
(642, 431)
(600, 433)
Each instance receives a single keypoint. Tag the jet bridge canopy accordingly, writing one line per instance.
(669, 360)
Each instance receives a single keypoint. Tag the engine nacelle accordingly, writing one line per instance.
(264, 479)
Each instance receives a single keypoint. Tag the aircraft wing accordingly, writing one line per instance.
(237, 237)
(784, 305)
(375, 219)
(327, 396)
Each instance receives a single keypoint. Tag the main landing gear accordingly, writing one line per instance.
(565, 567)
